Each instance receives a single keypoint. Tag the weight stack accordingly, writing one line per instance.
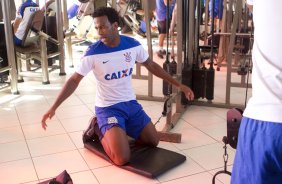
(173, 67)
(210, 73)
(199, 82)
(203, 83)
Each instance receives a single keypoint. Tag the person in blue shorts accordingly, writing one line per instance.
(218, 9)
(161, 15)
(112, 59)
(258, 157)
(218, 12)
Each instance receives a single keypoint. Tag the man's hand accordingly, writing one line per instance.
(49, 114)
(67, 90)
(187, 91)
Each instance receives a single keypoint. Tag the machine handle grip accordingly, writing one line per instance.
(47, 37)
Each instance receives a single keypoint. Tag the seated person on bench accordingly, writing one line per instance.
(112, 59)
(23, 14)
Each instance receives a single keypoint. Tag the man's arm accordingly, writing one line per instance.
(67, 90)
(16, 24)
(155, 69)
(250, 5)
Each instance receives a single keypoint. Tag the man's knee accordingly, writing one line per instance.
(120, 159)
(154, 142)
(116, 145)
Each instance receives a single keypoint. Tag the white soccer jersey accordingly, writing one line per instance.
(266, 101)
(113, 69)
(24, 12)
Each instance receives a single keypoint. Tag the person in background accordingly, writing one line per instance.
(111, 60)
(161, 15)
(25, 10)
(258, 157)
(218, 13)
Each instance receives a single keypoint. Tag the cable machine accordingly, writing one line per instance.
(6, 4)
(232, 47)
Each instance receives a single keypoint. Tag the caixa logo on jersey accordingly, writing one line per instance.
(119, 74)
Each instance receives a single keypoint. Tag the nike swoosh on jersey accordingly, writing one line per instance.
(104, 62)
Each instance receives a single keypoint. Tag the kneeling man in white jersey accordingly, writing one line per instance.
(112, 59)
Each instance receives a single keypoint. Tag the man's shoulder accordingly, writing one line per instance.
(100, 48)
(93, 49)
(129, 41)
(26, 4)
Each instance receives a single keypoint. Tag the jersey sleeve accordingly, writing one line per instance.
(142, 55)
(85, 65)
(19, 13)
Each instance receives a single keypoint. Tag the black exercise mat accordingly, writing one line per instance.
(146, 161)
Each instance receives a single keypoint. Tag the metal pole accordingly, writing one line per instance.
(179, 28)
(191, 32)
(206, 21)
(150, 51)
(10, 46)
(60, 37)
(222, 43)
(212, 34)
(235, 23)
(114, 4)
(68, 38)
(44, 61)
(65, 15)
(197, 30)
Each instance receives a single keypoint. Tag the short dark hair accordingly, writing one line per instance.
(109, 12)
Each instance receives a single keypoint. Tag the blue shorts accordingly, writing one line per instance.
(218, 9)
(258, 157)
(162, 27)
(17, 41)
(129, 116)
